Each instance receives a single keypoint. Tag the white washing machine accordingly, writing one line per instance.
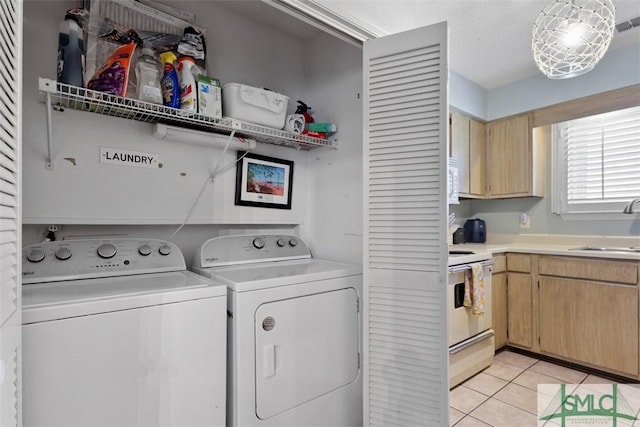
(116, 332)
(294, 332)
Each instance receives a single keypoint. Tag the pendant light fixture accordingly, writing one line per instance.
(571, 36)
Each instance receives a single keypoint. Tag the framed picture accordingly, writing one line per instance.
(263, 181)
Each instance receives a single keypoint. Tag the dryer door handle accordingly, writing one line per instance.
(269, 360)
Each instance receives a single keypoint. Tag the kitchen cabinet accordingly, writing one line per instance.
(519, 301)
(515, 156)
(589, 312)
(467, 138)
(499, 300)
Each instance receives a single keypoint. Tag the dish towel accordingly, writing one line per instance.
(474, 289)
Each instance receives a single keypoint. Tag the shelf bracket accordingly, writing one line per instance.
(48, 87)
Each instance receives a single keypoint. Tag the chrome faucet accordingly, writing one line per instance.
(628, 209)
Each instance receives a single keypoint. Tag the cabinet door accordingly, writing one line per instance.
(590, 322)
(519, 309)
(499, 308)
(477, 158)
(460, 149)
(509, 155)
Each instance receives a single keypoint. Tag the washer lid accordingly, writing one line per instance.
(251, 277)
(59, 300)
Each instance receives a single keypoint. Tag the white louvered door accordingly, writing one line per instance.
(10, 139)
(405, 253)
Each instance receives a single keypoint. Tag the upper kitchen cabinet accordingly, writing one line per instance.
(468, 148)
(514, 158)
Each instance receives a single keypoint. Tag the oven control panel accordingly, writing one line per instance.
(91, 258)
(245, 249)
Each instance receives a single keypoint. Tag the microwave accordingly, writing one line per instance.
(452, 181)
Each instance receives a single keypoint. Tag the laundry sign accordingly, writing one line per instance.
(116, 156)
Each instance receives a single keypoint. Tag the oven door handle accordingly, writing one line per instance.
(471, 341)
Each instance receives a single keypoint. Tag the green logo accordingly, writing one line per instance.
(582, 408)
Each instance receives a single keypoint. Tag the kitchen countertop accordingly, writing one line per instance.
(554, 244)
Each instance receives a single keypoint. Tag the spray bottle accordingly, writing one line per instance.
(169, 82)
(71, 50)
(188, 90)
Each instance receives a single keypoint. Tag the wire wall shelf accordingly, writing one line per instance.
(59, 96)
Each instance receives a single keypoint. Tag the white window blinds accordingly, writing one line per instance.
(597, 162)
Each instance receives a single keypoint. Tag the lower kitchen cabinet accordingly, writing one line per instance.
(520, 309)
(588, 312)
(590, 322)
(499, 300)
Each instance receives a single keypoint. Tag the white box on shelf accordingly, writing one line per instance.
(254, 105)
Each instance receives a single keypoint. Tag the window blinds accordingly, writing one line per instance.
(599, 161)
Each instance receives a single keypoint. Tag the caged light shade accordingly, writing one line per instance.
(571, 36)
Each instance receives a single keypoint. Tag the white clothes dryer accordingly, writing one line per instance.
(295, 332)
(116, 332)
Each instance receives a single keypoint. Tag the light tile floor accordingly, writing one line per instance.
(505, 394)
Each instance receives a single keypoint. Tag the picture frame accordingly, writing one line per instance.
(264, 182)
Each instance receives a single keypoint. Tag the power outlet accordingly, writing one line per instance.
(525, 220)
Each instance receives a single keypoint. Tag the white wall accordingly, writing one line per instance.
(335, 181)
(97, 200)
(467, 97)
(619, 68)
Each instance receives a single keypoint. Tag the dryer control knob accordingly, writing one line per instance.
(107, 250)
(63, 253)
(281, 242)
(35, 255)
(293, 242)
(144, 250)
(164, 250)
(258, 243)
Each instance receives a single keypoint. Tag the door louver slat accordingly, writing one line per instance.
(10, 225)
(406, 380)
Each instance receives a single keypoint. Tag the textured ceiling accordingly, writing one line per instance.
(490, 40)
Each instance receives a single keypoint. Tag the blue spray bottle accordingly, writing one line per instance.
(169, 82)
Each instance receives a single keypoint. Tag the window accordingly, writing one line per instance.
(596, 163)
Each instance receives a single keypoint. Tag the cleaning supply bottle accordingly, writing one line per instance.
(71, 51)
(188, 92)
(148, 77)
(169, 82)
(304, 109)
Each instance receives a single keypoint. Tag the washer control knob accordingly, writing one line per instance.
(258, 243)
(293, 242)
(107, 250)
(281, 242)
(63, 253)
(144, 250)
(35, 255)
(164, 250)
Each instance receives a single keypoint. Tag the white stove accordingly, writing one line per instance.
(117, 332)
(294, 332)
(471, 338)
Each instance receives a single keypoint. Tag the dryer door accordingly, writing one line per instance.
(305, 347)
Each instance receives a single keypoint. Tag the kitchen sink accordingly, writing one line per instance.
(614, 249)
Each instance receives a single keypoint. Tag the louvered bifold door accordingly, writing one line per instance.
(10, 129)
(405, 151)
